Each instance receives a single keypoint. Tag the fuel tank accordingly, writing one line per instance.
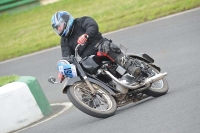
(91, 64)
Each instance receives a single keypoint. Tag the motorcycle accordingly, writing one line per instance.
(98, 86)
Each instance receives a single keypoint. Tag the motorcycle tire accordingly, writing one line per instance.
(87, 103)
(156, 91)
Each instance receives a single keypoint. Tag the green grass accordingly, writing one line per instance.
(8, 79)
(30, 31)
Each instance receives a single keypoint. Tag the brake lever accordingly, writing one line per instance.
(53, 80)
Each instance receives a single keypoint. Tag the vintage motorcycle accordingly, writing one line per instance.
(97, 86)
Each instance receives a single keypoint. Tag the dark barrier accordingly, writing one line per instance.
(6, 5)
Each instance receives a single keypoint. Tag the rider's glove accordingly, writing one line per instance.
(61, 77)
(82, 39)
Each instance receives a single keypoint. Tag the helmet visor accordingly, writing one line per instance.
(59, 27)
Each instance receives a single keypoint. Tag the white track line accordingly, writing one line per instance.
(67, 106)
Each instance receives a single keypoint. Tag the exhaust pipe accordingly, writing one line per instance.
(147, 82)
(155, 78)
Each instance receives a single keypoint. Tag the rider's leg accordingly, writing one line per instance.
(114, 53)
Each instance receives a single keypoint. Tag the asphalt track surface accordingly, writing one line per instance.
(174, 43)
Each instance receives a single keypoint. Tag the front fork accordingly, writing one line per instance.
(83, 75)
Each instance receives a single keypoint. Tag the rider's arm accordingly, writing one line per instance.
(66, 50)
(90, 26)
(66, 53)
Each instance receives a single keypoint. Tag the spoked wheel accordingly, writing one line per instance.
(101, 104)
(159, 87)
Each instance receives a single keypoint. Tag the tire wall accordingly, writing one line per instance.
(22, 103)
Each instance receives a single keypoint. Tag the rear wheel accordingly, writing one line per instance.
(100, 105)
(159, 87)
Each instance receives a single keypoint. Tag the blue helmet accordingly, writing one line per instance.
(62, 23)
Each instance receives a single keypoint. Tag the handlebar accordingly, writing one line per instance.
(76, 50)
(52, 79)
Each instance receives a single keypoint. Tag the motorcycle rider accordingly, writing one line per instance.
(85, 30)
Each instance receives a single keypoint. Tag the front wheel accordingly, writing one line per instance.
(159, 87)
(100, 105)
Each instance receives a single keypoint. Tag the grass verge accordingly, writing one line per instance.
(8, 79)
(30, 31)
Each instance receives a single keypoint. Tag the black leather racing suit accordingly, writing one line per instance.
(95, 43)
